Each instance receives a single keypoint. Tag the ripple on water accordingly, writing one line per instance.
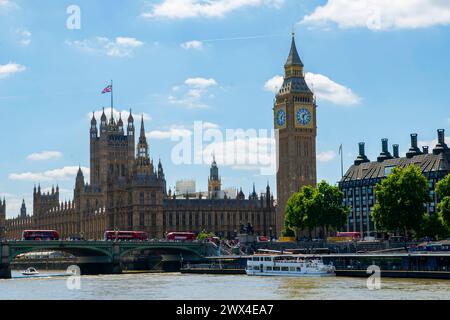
(216, 287)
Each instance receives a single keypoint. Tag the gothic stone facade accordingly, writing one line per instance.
(127, 192)
(296, 122)
(358, 183)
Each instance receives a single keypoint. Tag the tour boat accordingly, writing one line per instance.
(288, 265)
(30, 272)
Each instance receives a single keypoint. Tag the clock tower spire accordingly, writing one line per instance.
(296, 123)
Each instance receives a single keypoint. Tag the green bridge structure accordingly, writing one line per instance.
(103, 257)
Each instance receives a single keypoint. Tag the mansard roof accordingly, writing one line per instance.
(372, 170)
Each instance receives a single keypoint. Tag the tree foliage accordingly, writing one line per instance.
(434, 227)
(400, 200)
(320, 207)
(443, 191)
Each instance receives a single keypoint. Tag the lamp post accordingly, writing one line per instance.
(270, 234)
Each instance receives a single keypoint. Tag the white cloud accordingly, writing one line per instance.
(324, 88)
(197, 45)
(11, 68)
(173, 132)
(117, 114)
(182, 9)
(328, 90)
(120, 47)
(191, 94)
(8, 4)
(25, 36)
(65, 173)
(326, 156)
(45, 155)
(274, 84)
(177, 131)
(432, 143)
(382, 14)
(200, 82)
(242, 153)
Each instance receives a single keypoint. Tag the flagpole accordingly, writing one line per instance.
(112, 100)
(342, 161)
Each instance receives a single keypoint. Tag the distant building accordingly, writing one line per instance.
(128, 192)
(185, 187)
(359, 181)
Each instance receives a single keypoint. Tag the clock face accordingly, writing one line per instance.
(303, 117)
(281, 118)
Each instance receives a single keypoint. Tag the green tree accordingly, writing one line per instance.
(300, 208)
(434, 227)
(320, 207)
(443, 187)
(332, 213)
(443, 191)
(444, 210)
(205, 235)
(400, 201)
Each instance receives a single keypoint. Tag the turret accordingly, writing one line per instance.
(103, 123)
(94, 130)
(130, 128)
(120, 123)
(23, 210)
(79, 182)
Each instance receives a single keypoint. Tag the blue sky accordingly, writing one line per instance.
(378, 71)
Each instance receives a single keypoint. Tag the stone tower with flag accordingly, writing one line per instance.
(295, 119)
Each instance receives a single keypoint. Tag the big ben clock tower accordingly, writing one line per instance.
(296, 122)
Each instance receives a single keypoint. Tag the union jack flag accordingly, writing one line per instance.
(107, 89)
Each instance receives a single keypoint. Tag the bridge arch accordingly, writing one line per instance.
(162, 249)
(77, 251)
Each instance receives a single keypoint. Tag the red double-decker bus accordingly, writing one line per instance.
(181, 236)
(126, 235)
(37, 235)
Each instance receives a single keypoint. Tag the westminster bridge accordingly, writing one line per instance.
(103, 257)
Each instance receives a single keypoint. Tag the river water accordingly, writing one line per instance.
(202, 287)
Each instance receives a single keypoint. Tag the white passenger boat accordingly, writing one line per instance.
(30, 272)
(288, 265)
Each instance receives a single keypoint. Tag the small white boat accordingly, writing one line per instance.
(288, 266)
(30, 272)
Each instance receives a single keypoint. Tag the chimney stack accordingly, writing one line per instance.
(362, 158)
(384, 155)
(395, 148)
(441, 145)
(414, 150)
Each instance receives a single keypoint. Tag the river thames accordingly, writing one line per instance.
(210, 287)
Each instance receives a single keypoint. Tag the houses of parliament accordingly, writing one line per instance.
(127, 190)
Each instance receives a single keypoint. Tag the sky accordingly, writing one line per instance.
(379, 69)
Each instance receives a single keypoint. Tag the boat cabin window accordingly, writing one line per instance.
(267, 259)
(276, 268)
(284, 268)
(269, 268)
